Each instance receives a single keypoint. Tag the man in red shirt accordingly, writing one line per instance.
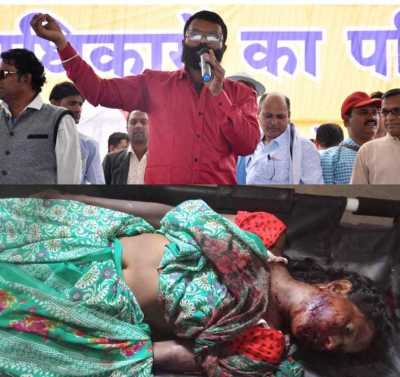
(198, 128)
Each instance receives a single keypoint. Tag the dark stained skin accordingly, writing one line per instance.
(320, 316)
(320, 312)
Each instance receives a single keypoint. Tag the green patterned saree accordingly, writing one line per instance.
(64, 307)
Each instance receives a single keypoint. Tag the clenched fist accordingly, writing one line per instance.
(46, 27)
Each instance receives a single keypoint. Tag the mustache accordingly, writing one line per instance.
(191, 57)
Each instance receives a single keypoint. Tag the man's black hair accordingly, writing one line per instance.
(391, 93)
(26, 62)
(62, 90)
(378, 94)
(116, 137)
(210, 17)
(329, 135)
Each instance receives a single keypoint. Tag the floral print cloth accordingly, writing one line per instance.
(64, 308)
(66, 311)
(214, 284)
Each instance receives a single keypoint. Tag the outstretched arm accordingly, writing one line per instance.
(151, 212)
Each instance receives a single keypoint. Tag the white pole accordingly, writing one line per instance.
(352, 204)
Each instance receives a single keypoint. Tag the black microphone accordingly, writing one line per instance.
(205, 67)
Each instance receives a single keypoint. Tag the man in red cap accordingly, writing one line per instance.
(360, 115)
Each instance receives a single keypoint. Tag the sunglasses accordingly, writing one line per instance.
(4, 73)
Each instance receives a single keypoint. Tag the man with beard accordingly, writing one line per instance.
(198, 128)
(66, 95)
(128, 166)
(360, 115)
(377, 161)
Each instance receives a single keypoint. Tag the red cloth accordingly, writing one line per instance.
(260, 343)
(194, 137)
(266, 225)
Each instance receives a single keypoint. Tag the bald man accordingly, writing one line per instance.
(282, 156)
(128, 166)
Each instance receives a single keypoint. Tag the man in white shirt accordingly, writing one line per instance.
(282, 156)
(128, 166)
(39, 143)
(65, 94)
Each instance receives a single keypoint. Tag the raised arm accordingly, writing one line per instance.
(126, 93)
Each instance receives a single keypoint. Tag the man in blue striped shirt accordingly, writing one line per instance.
(360, 115)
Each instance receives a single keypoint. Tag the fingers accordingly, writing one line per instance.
(218, 70)
(275, 259)
(36, 21)
(216, 84)
(41, 21)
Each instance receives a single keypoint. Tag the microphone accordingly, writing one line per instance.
(205, 67)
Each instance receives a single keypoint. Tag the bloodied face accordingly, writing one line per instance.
(331, 322)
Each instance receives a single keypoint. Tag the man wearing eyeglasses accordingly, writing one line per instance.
(378, 161)
(282, 156)
(360, 115)
(39, 143)
(198, 128)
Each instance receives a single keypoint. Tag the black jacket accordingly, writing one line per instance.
(116, 167)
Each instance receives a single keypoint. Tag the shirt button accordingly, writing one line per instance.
(4, 172)
(11, 133)
(200, 113)
(8, 153)
(199, 136)
(196, 159)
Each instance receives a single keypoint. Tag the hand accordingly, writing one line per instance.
(46, 27)
(175, 356)
(216, 85)
(276, 252)
(274, 259)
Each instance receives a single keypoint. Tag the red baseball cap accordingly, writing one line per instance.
(358, 99)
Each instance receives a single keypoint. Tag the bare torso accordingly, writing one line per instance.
(141, 258)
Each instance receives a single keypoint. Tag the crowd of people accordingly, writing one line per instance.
(103, 287)
(182, 129)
